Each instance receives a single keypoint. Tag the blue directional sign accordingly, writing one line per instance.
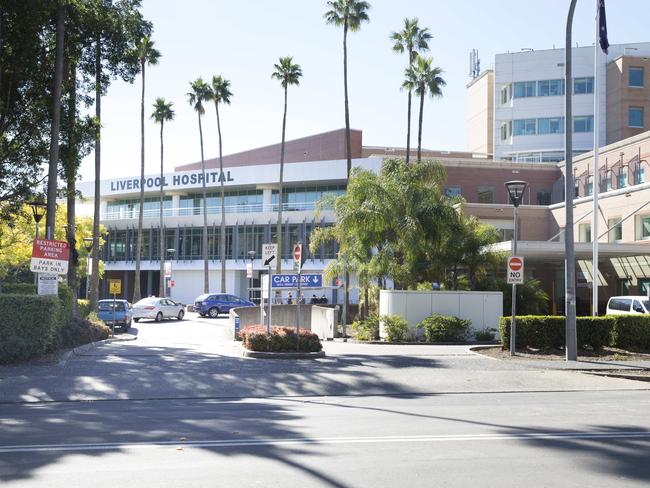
(291, 281)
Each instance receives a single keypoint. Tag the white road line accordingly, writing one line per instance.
(231, 443)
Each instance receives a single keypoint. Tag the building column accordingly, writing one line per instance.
(126, 285)
(176, 203)
(149, 291)
(267, 197)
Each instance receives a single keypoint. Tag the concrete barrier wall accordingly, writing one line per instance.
(482, 308)
(324, 321)
(285, 316)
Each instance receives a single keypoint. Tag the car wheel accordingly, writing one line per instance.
(213, 312)
(181, 314)
(136, 320)
(159, 317)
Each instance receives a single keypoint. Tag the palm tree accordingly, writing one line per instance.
(289, 74)
(147, 54)
(349, 14)
(423, 78)
(221, 94)
(162, 112)
(411, 39)
(201, 92)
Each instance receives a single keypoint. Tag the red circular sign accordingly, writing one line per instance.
(296, 253)
(515, 264)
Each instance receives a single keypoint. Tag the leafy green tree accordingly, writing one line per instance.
(200, 92)
(288, 73)
(424, 79)
(113, 30)
(221, 94)
(162, 113)
(412, 39)
(531, 297)
(147, 55)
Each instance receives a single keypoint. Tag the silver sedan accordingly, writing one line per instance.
(158, 309)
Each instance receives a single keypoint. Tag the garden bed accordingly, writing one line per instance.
(558, 354)
(280, 343)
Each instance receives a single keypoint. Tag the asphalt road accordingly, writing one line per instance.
(180, 407)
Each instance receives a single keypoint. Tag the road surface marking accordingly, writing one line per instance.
(226, 443)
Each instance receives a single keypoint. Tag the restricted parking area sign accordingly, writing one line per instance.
(515, 270)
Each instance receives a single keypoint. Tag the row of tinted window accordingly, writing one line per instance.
(128, 207)
(551, 88)
(550, 125)
(486, 194)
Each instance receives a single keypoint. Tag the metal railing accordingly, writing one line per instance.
(212, 210)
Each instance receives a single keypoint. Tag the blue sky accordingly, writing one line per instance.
(243, 39)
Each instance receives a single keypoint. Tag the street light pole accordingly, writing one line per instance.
(516, 191)
(88, 244)
(251, 255)
(38, 210)
(569, 247)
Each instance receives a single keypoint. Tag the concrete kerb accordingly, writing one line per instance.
(282, 355)
(91, 345)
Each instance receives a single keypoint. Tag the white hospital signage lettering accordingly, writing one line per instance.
(175, 181)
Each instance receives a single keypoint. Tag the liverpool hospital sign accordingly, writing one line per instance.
(174, 181)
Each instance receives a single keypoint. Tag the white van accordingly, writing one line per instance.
(628, 305)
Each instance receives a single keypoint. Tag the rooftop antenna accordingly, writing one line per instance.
(474, 64)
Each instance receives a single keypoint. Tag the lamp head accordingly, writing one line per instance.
(38, 209)
(88, 243)
(516, 189)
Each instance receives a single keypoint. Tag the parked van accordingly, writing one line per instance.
(628, 305)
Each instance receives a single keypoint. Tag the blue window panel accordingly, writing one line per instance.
(525, 89)
(583, 123)
(635, 117)
(635, 77)
(583, 86)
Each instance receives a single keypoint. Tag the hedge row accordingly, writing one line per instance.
(19, 288)
(29, 325)
(630, 332)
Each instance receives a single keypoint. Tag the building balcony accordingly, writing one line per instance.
(154, 213)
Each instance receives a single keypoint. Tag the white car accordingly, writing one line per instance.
(628, 305)
(158, 309)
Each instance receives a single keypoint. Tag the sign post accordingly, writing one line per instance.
(515, 277)
(114, 288)
(297, 266)
(269, 254)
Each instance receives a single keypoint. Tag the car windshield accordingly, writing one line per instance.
(147, 301)
(646, 304)
(202, 297)
(104, 306)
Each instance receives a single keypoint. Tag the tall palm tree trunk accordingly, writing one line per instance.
(346, 279)
(94, 278)
(222, 236)
(420, 125)
(161, 238)
(138, 249)
(278, 265)
(56, 124)
(204, 243)
(408, 130)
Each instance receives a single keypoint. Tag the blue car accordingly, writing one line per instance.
(212, 304)
(122, 315)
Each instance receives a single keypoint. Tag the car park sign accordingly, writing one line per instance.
(50, 257)
(515, 270)
(291, 281)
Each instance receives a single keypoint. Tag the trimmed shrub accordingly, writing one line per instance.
(396, 328)
(80, 331)
(281, 339)
(548, 331)
(19, 288)
(367, 330)
(443, 328)
(484, 335)
(632, 332)
(29, 325)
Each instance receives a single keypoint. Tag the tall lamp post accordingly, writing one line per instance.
(38, 211)
(516, 191)
(88, 244)
(251, 256)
